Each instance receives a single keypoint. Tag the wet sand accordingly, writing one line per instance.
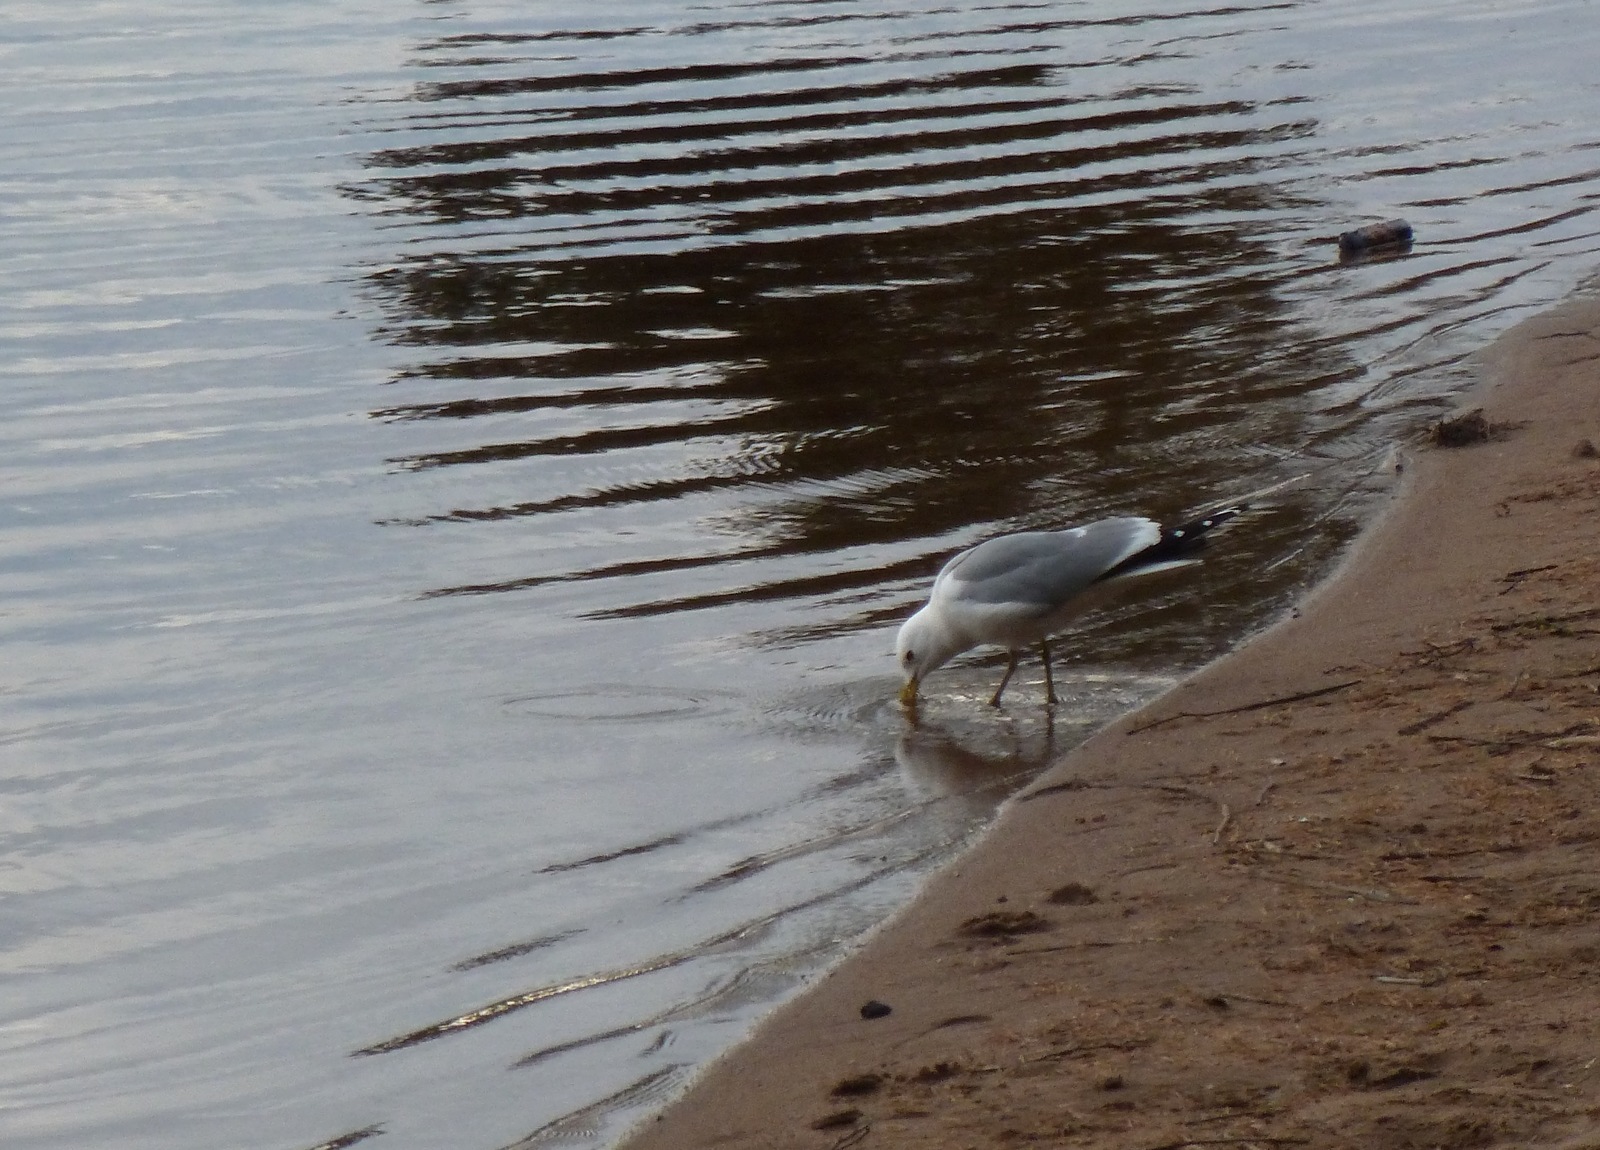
(1341, 888)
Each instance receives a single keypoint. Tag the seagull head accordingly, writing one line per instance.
(924, 644)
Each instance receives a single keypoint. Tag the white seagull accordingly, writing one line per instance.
(1018, 590)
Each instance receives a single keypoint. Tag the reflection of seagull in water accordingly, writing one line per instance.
(1018, 590)
(935, 760)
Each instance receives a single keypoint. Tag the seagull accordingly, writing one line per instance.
(1017, 590)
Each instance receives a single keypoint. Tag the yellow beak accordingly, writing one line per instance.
(908, 693)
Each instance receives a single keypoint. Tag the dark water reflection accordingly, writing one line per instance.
(880, 298)
(464, 463)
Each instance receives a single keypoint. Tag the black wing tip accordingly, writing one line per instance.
(1193, 529)
(1178, 542)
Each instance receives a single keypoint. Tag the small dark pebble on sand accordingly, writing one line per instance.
(876, 1009)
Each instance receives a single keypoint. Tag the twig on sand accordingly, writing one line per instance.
(1549, 622)
(1241, 1140)
(1084, 1048)
(1192, 793)
(853, 1137)
(1512, 578)
(1086, 944)
(1371, 894)
(1437, 651)
(1262, 704)
(1552, 740)
(1232, 997)
(1227, 817)
(1435, 719)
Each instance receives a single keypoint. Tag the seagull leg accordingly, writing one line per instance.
(1049, 682)
(1011, 666)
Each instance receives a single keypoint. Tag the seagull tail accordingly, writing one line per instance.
(1177, 545)
(1195, 529)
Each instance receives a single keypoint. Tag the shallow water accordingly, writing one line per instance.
(463, 464)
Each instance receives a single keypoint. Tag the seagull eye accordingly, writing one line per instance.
(910, 656)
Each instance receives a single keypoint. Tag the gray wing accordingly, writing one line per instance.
(1044, 569)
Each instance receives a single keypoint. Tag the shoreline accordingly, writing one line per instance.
(1340, 887)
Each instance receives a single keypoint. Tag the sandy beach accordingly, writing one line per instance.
(1341, 888)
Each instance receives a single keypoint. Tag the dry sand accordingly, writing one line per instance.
(1340, 889)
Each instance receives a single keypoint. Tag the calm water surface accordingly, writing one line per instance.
(462, 464)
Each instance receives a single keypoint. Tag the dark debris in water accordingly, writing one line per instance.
(350, 1139)
(1386, 236)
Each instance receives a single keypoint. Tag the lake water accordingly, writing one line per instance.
(463, 464)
